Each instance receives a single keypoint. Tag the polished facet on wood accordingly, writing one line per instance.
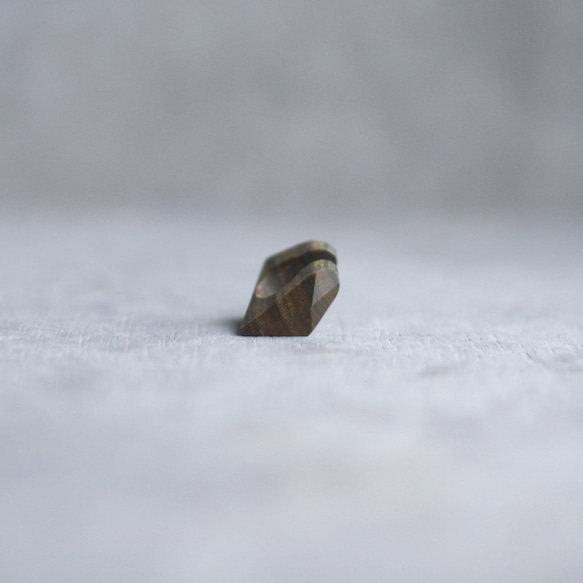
(294, 290)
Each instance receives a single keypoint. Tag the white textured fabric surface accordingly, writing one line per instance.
(430, 429)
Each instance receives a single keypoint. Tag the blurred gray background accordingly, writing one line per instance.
(267, 106)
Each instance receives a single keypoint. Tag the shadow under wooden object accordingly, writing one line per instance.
(294, 290)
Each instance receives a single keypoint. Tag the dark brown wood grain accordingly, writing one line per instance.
(294, 290)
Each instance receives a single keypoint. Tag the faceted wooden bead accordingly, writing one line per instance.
(294, 290)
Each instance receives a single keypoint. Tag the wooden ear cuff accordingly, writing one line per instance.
(294, 290)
